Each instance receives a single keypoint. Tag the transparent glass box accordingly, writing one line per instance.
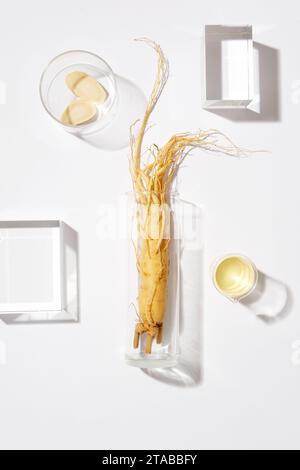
(39, 274)
(227, 64)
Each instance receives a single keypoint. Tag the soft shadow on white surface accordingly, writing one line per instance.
(271, 300)
(266, 106)
(131, 106)
(188, 371)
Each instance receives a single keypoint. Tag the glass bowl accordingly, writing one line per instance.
(56, 96)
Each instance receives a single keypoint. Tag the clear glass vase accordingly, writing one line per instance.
(153, 281)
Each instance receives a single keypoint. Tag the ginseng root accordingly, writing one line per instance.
(152, 184)
(153, 272)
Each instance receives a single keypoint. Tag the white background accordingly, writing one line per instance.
(66, 386)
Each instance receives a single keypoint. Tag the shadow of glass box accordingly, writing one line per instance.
(39, 278)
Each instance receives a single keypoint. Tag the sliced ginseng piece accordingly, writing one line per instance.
(78, 112)
(86, 87)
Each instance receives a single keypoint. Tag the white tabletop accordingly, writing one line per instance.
(66, 385)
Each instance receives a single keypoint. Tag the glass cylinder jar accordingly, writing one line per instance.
(235, 276)
(56, 96)
(153, 281)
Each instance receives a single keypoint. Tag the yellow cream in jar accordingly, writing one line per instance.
(235, 276)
